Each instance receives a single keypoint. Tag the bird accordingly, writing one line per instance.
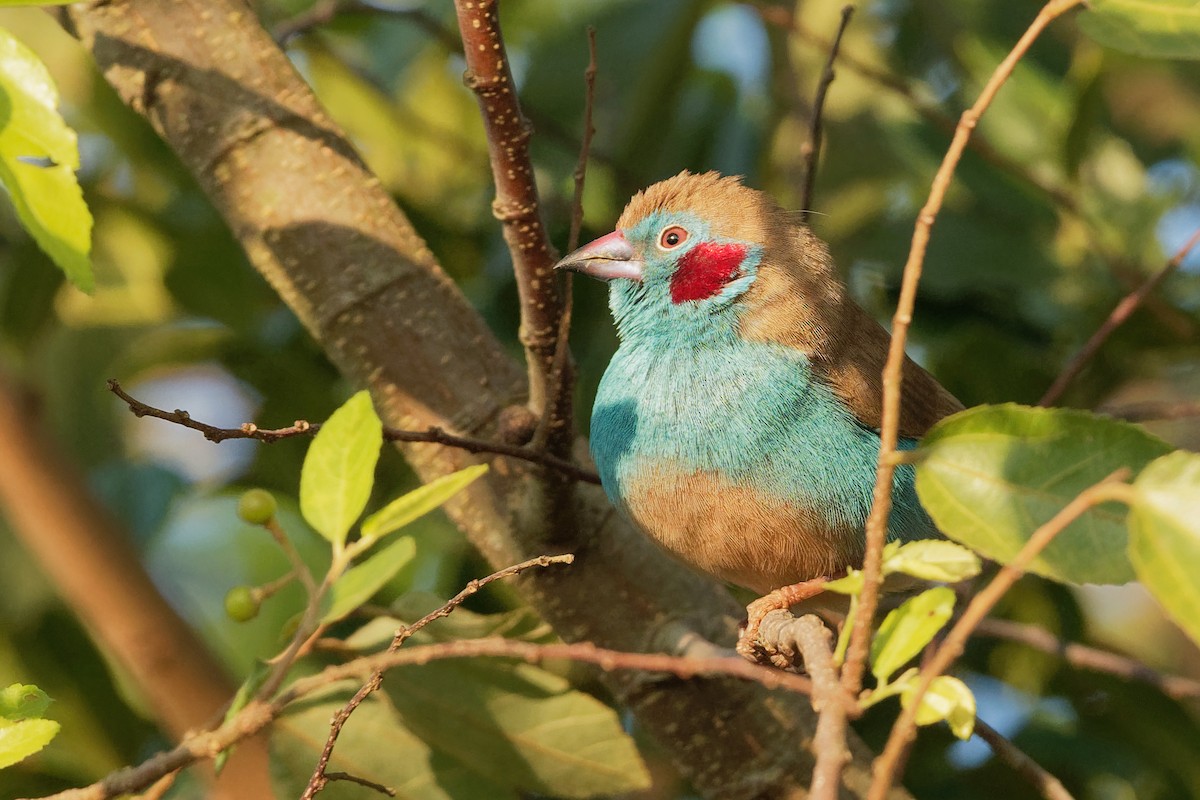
(738, 422)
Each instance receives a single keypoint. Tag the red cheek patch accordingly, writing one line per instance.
(705, 269)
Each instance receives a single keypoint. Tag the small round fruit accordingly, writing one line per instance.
(257, 507)
(240, 604)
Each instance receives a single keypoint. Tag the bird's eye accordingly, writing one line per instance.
(672, 237)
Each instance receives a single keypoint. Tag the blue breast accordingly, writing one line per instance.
(749, 411)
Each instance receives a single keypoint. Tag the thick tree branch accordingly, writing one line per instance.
(94, 568)
(892, 374)
(330, 240)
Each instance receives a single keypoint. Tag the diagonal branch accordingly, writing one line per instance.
(892, 374)
(1116, 319)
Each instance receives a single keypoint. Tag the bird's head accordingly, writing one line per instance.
(685, 254)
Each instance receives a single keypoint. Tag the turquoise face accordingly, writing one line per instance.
(647, 310)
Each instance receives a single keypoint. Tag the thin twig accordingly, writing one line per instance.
(319, 777)
(1047, 785)
(324, 12)
(811, 151)
(884, 768)
(431, 435)
(346, 776)
(1152, 411)
(1116, 318)
(562, 349)
(257, 714)
(1090, 658)
(892, 374)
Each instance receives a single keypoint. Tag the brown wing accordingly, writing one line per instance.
(797, 301)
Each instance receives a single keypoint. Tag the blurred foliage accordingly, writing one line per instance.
(1017, 278)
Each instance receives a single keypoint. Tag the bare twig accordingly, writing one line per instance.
(431, 435)
(516, 205)
(319, 777)
(1116, 318)
(562, 346)
(346, 776)
(1152, 411)
(1111, 488)
(258, 714)
(892, 374)
(1049, 786)
(811, 151)
(1090, 658)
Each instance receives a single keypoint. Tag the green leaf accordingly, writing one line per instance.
(419, 502)
(1164, 536)
(903, 683)
(851, 583)
(932, 560)
(519, 725)
(1153, 28)
(355, 587)
(38, 159)
(374, 745)
(22, 701)
(245, 692)
(339, 468)
(909, 628)
(948, 699)
(22, 739)
(991, 475)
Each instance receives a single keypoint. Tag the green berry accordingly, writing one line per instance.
(240, 604)
(257, 507)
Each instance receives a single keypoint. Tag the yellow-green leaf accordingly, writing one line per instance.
(38, 158)
(932, 560)
(1164, 536)
(339, 468)
(358, 584)
(991, 475)
(23, 700)
(419, 502)
(22, 739)
(948, 699)
(907, 629)
(1153, 28)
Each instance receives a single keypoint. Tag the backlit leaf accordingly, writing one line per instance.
(22, 739)
(907, 629)
(1164, 536)
(947, 699)
(360, 582)
(1153, 28)
(932, 560)
(339, 469)
(420, 501)
(991, 475)
(38, 159)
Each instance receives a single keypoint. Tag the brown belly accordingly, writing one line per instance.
(740, 535)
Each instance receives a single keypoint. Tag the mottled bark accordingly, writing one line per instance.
(318, 225)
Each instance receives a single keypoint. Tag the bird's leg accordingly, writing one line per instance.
(781, 599)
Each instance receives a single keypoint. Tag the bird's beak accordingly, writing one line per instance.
(608, 257)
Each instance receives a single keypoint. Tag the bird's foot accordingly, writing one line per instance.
(781, 599)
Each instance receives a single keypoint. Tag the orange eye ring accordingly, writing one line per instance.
(672, 237)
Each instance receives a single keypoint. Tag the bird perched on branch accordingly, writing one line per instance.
(738, 422)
